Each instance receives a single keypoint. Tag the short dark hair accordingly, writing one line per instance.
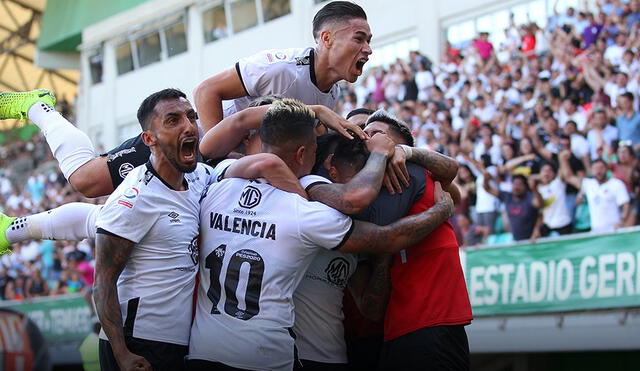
(522, 178)
(148, 105)
(350, 152)
(593, 162)
(287, 122)
(628, 95)
(553, 166)
(265, 99)
(359, 111)
(396, 125)
(336, 11)
(326, 146)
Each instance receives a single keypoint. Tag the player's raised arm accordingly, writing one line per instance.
(112, 254)
(224, 137)
(356, 194)
(375, 239)
(212, 91)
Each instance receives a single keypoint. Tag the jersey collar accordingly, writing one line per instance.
(153, 172)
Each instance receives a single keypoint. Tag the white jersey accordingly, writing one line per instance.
(155, 288)
(318, 301)
(555, 213)
(256, 243)
(604, 202)
(288, 72)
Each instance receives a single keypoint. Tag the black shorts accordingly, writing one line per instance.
(364, 353)
(128, 155)
(161, 356)
(306, 365)
(430, 348)
(202, 365)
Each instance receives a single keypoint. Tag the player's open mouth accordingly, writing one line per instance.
(188, 149)
(360, 64)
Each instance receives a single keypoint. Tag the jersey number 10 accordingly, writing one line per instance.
(232, 279)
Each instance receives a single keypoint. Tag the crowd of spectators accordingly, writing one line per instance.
(545, 125)
(30, 182)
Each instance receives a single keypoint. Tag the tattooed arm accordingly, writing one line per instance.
(370, 286)
(375, 239)
(112, 253)
(443, 168)
(355, 195)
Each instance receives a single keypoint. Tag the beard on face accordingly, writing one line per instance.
(170, 153)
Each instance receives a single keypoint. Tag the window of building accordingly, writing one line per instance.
(272, 9)
(95, 66)
(124, 58)
(148, 48)
(386, 55)
(244, 15)
(176, 38)
(495, 23)
(214, 21)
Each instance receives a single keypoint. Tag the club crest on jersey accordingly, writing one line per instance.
(338, 271)
(125, 169)
(250, 197)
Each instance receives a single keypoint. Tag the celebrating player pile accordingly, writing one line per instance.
(258, 240)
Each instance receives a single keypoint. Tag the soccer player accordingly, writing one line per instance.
(368, 289)
(341, 32)
(146, 238)
(428, 305)
(342, 36)
(254, 251)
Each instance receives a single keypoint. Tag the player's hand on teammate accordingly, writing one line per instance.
(443, 198)
(397, 173)
(381, 143)
(337, 122)
(133, 362)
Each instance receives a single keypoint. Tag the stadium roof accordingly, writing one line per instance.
(64, 20)
(19, 29)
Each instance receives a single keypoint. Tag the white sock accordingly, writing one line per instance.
(69, 145)
(72, 222)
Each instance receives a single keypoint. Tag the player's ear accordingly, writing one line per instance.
(326, 38)
(333, 173)
(327, 162)
(148, 138)
(300, 155)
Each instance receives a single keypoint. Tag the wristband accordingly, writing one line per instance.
(407, 150)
